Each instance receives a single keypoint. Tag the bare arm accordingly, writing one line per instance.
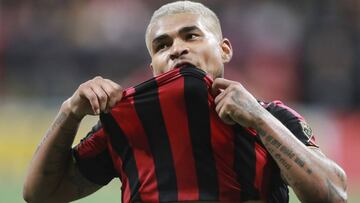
(53, 175)
(313, 177)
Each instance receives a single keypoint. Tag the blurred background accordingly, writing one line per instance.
(305, 53)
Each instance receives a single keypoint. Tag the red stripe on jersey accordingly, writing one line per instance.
(125, 186)
(261, 160)
(131, 125)
(173, 107)
(94, 144)
(222, 141)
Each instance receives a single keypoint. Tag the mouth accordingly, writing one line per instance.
(182, 65)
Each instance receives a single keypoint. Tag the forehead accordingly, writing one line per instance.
(172, 23)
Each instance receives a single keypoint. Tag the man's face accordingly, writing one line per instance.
(184, 38)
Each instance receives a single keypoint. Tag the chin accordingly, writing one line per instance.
(216, 74)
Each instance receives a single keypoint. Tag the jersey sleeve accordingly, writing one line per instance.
(293, 121)
(93, 158)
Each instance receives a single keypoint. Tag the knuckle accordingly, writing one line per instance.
(96, 79)
(230, 87)
(82, 86)
(92, 99)
(227, 100)
(119, 88)
(226, 107)
(111, 102)
(239, 86)
(112, 94)
(102, 98)
(217, 109)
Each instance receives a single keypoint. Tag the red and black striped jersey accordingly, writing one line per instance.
(166, 143)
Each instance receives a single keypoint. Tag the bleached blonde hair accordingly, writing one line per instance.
(212, 21)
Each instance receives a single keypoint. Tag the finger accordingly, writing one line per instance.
(220, 96)
(113, 91)
(114, 95)
(90, 95)
(224, 115)
(101, 96)
(110, 92)
(112, 83)
(219, 106)
(221, 83)
(118, 91)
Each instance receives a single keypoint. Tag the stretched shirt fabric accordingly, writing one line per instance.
(165, 142)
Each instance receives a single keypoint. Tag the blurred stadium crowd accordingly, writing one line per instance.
(299, 51)
(305, 53)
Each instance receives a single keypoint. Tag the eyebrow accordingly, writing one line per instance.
(181, 31)
(160, 38)
(189, 29)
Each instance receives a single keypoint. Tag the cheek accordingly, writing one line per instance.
(158, 66)
(212, 57)
(212, 61)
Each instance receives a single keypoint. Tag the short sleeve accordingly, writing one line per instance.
(293, 121)
(92, 157)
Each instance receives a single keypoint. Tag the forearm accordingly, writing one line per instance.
(52, 156)
(312, 176)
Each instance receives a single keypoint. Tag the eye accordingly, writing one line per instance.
(160, 47)
(191, 36)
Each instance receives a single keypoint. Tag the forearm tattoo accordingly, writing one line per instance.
(279, 152)
(61, 149)
(59, 119)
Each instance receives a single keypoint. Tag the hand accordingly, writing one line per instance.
(94, 96)
(235, 104)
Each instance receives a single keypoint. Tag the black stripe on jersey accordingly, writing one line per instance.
(98, 169)
(278, 190)
(121, 145)
(192, 71)
(290, 121)
(196, 100)
(148, 108)
(245, 163)
(93, 130)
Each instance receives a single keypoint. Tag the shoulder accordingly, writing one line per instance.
(280, 110)
(293, 120)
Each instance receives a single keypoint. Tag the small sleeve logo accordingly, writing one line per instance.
(306, 129)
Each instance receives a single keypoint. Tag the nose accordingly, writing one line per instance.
(179, 48)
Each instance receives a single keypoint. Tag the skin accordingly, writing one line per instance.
(177, 39)
(52, 175)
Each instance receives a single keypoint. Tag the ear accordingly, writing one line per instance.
(152, 69)
(226, 50)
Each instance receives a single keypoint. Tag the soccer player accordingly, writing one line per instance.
(231, 148)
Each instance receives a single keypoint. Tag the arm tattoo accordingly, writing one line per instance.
(274, 144)
(56, 123)
(282, 161)
(247, 106)
(60, 149)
